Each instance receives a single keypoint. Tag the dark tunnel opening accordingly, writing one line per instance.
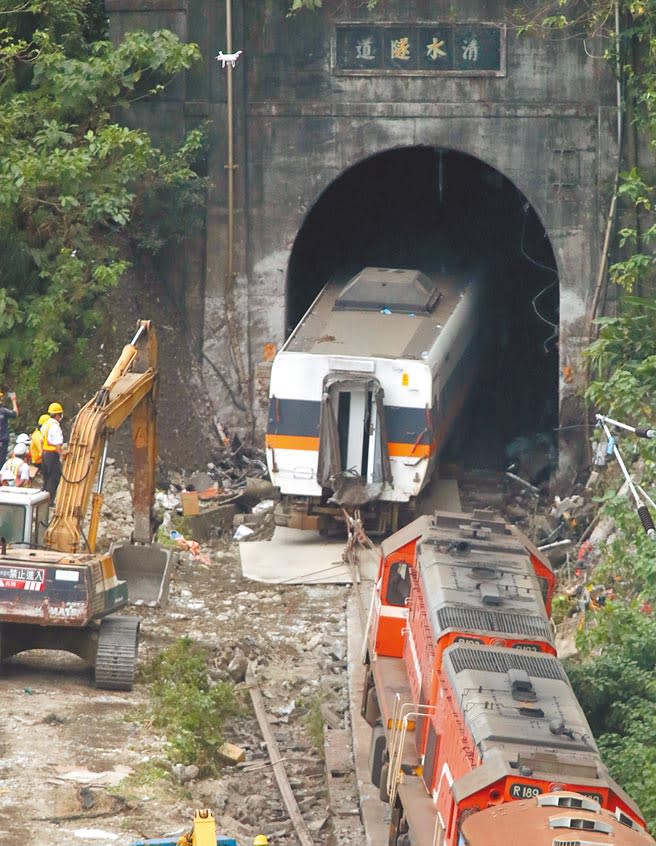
(435, 209)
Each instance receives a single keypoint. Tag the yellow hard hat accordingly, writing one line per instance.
(55, 408)
(261, 840)
(43, 419)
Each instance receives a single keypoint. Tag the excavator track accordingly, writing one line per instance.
(116, 658)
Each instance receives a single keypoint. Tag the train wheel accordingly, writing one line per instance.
(372, 708)
(377, 754)
(382, 787)
(396, 826)
(366, 687)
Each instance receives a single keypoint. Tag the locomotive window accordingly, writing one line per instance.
(398, 584)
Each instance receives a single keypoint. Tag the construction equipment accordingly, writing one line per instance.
(203, 833)
(55, 591)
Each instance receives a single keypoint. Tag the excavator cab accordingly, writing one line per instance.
(23, 515)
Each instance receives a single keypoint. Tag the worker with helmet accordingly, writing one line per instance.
(5, 415)
(261, 840)
(51, 449)
(15, 472)
(36, 441)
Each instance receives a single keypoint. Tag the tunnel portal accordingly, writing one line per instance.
(431, 209)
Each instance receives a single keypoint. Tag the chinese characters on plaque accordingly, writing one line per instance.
(473, 49)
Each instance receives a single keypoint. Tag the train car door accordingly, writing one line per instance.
(356, 424)
(353, 444)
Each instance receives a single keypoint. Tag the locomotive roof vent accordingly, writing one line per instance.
(521, 686)
(490, 594)
(475, 530)
(484, 571)
(626, 820)
(580, 824)
(398, 289)
(586, 803)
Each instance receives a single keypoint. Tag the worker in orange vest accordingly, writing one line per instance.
(51, 449)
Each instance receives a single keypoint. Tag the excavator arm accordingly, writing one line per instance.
(129, 391)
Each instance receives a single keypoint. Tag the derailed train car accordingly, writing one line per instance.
(477, 736)
(366, 390)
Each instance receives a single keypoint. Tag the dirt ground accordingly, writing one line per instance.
(76, 764)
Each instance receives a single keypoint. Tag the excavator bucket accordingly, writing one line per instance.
(146, 569)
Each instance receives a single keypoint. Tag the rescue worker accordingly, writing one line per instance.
(5, 415)
(261, 840)
(36, 441)
(51, 449)
(15, 472)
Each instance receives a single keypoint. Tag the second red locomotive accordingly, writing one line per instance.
(469, 706)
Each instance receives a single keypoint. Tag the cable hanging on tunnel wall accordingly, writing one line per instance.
(554, 326)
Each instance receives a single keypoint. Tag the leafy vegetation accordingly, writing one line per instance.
(76, 187)
(188, 707)
(616, 686)
(312, 5)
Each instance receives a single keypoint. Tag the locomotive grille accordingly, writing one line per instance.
(575, 842)
(490, 661)
(472, 619)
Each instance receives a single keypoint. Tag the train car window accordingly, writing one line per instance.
(398, 584)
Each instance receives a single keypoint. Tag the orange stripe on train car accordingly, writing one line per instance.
(302, 442)
(400, 450)
(311, 444)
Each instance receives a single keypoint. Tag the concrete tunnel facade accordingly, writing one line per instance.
(534, 121)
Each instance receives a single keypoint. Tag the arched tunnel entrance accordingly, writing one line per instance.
(433, 209)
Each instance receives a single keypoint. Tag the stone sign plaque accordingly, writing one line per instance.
(420, 49)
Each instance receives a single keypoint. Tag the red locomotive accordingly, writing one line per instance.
(476, 732)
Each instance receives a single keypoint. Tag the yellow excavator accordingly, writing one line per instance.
(56, 592)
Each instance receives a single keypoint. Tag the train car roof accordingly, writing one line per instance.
(517, 697)
(563, 817)
(480, 577)
(376, 328)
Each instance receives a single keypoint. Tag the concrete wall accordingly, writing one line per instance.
(548, 125)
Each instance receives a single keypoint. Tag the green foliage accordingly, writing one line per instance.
(623, 361)
(313, 5)
(628, 563)
(76, 188)
(614, 679)
(560, 608)
(314, 721)
(187, 706)
(623, 628)
(631, 756)
(616, 686)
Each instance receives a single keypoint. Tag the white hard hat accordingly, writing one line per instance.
(20, 449)
(23, 438)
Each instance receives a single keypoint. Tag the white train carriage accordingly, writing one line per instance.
(365, 392)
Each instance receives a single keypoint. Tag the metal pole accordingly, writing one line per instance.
(231, 164)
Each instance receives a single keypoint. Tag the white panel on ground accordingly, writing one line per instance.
(295, 556)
